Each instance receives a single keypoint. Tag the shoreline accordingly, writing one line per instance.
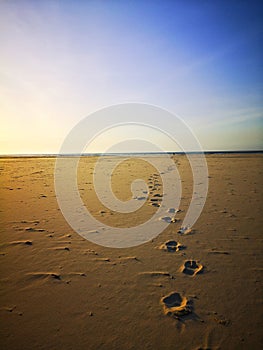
(10, 156)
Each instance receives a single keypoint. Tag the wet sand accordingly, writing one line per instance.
(199, 289)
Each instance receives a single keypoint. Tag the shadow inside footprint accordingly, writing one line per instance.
(191, 268)
(175, 305)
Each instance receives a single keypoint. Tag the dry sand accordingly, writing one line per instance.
(200, 290)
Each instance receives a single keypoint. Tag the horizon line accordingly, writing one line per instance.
(35, 155)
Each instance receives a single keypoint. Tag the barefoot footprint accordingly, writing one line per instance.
(191, 268)
(175, 305)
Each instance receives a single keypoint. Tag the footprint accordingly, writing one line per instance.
(173, 210)
(168, 219)
(175, 305)
(171, 246)
(185, 231)
(191, 268)
(154, 204)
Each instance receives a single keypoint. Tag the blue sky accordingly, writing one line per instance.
(62, 60)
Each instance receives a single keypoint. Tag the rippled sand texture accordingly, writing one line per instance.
(195, 289)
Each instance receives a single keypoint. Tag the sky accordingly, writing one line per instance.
(61, 61)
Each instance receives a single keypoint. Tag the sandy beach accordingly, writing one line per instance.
(194, 290)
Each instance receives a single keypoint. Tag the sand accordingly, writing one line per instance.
(188, 289)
